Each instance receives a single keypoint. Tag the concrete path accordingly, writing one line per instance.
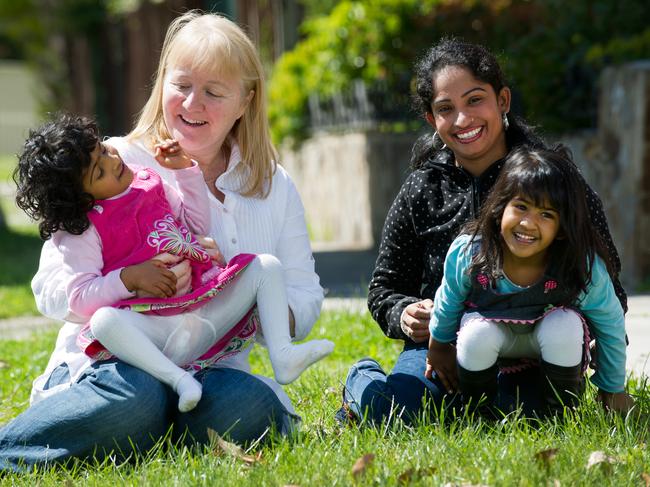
(637, 324)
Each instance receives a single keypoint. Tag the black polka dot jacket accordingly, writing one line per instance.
(425, 217)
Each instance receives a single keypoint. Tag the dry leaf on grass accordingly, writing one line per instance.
(222, 446)
(545, 457)
(413, 474)
(3, 364)
(362, 464)
(600, 458)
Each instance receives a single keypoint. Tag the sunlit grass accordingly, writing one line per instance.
(429, 453)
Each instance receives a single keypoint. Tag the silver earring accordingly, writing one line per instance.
(437, 146)
(506, 123)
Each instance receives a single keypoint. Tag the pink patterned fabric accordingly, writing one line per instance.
(139, 225)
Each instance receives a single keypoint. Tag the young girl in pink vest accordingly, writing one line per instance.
(120, 229)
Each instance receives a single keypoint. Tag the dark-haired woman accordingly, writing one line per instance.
(462, 93)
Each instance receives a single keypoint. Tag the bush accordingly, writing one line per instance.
(552, 50)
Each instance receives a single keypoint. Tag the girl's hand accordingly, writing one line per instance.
(441, 359)
(619, 402)
(170, 155)
(212, 249)
(415, 320)
(151, 278)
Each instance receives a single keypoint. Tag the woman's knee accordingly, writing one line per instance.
(237, 405)
(560, 335)
(479, 343)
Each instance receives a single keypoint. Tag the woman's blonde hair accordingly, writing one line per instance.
(206, 41)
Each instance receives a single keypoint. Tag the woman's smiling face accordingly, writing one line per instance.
(468, 116)
(201, 108)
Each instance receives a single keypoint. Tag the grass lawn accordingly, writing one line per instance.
(459, 453)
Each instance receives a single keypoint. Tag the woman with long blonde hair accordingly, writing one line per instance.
(209, 95)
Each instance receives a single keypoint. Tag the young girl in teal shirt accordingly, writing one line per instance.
(528, 282)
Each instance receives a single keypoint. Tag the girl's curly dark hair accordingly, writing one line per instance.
(49, 174)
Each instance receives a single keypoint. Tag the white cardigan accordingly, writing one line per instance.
(273, 225)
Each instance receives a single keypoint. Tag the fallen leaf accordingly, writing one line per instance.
(600, 458)
(556, 483)
(545, 457)
(362, 464)
(413, 474)
(225, 447)
(646, 479)
(3, 364)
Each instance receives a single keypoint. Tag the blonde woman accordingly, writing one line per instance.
(209, 94)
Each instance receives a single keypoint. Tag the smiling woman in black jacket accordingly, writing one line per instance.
(462, 93)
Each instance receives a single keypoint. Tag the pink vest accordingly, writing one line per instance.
(139, 225)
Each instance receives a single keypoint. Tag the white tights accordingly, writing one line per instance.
(557, 339)
(160, 344)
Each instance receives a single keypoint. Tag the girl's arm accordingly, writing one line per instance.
(602, 308)
(190, 203)
(449, 302)
(87, 290)
(293, 249)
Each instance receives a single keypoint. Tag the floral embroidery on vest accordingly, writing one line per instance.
(175, 239)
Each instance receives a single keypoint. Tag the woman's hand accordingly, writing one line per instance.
(149, 278)
(619, 402)
(212, 249)
(170, 155)
(415, 320)
(441, 359)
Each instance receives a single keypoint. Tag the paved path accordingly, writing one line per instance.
(637, 324)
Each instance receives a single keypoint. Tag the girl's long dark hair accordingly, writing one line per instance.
(542, 177)
(49, 174)
(484, 67)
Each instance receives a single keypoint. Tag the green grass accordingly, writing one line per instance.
(7, 165)
(462, 451)
(19, 253)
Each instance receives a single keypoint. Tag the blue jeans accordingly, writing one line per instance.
(371, 393)
(117, 408)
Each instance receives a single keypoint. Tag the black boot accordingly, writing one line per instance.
(561, 386)
(479, 390)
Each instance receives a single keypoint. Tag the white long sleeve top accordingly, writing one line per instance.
(273, 225)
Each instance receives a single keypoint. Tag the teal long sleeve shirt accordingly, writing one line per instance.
(598, 304)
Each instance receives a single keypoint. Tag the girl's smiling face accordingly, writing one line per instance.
(468, 116)
(528, 230)
(107, 175)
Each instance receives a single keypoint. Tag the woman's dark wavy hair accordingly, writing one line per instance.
(542, 176)
(484, 67)
(49, 174)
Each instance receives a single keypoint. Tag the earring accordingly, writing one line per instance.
(437, 146)
(506, 123)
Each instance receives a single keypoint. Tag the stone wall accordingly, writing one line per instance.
(615, 159)
(347, 183)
